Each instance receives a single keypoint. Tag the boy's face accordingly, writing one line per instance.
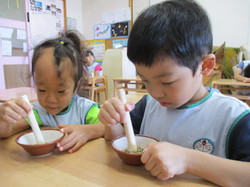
(170, 84)
(54, 92)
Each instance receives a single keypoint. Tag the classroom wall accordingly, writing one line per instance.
(92, 11)
(74, 10)
(230, 19)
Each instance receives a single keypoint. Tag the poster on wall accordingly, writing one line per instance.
(98, 48)
(119, 43)
(102, 31)
(119, 29)
(71, 23)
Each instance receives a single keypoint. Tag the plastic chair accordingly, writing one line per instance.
(97, 86)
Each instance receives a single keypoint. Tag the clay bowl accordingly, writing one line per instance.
(29, 143)
(120, 144)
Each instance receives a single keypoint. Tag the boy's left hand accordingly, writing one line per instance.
(75, 137)
(165, 160)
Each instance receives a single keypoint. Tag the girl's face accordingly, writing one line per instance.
(54, 93)
(90, 59)
(172, 85)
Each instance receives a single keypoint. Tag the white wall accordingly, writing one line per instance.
(74, 10)
(92, 11)
(230, 19)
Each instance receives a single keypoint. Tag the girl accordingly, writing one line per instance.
(94, 68)
(56, 68)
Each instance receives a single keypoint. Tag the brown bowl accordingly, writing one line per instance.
(120, 144)
(29, 142)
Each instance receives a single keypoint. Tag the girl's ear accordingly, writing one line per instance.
(208, 64)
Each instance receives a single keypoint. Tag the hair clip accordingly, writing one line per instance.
(62, 42)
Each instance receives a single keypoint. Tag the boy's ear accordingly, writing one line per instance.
(208, 64)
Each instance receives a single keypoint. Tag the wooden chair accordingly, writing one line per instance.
(98, 85)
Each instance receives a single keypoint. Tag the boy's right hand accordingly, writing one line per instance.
(113, 111)
(14, 110)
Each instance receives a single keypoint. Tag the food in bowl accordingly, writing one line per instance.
(120, 145)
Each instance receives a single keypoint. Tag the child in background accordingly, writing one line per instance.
(94, 68)
(56, 68)
(204, 133)
(242, 71)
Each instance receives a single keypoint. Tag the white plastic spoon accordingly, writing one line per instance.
(128, 125)
(33, 123)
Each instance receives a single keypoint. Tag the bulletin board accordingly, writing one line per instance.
(47, 19)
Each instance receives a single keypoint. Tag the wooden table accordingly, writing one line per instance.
(10, 93)
(134, 97)
(95, 164)
(232, 85)
(133, 84)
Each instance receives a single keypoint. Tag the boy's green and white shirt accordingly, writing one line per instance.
(80, 111)
(195, 126)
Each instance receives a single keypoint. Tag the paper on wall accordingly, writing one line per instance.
(6, 32)
(21, 34)
(6, 48)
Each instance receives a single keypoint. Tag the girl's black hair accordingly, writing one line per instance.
(68, 44)
(179, 29)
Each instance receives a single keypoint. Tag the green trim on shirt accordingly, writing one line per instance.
(231, 129)
(68, 108)
(198, 103)
(91, 117)
(38, 119)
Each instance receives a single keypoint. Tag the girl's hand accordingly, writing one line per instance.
(14, 110)
(165, 160)
(75, 136)
(113, 111)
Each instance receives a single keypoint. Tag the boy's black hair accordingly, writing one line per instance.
(247, 71)
(179, 29)
(68, 45)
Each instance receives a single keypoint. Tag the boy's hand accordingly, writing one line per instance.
(165, 160)
(14, 110)
(75, 137)
(113, 111)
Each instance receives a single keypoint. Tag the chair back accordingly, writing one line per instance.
(97, 85)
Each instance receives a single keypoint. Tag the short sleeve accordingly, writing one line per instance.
(98, 67)
(239, 140)
(92, 115)
(37, 116)
(137, 114)
(240, 65)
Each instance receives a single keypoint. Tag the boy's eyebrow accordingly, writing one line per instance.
(160, 75)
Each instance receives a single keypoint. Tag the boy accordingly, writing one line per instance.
(170, 45)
